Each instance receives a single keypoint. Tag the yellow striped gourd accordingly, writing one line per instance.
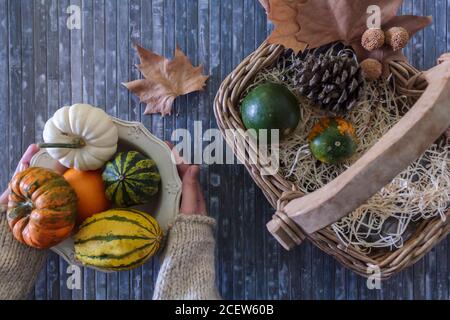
(118, 239)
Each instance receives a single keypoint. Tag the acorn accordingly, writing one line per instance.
(373, 39)
(397, 38)
(371, 69)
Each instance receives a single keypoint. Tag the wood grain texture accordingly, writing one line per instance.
(44, 65)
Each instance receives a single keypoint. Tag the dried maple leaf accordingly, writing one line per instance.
(283, 14)
(165, 80)
(320, 22)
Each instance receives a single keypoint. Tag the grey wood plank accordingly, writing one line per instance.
(169, 46)
(52, 57)
(88, 51)
(146, 41)
(4, 90)
(76, 56)
(339, 282)
(157, 22)
(28, 135)
(15, 81)
(352, 285)
(407, 8)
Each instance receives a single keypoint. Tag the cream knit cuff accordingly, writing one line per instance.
(187, 270)
(19, 265)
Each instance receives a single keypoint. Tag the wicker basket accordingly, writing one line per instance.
(281, 193)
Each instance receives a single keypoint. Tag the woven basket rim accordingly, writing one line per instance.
(409, 82)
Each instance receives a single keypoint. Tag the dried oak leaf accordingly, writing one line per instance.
(165, 80)
(320, 22)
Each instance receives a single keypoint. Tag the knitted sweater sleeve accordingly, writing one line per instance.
(187, 271)
(19, 264)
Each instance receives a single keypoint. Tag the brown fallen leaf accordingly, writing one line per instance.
(320, 22)
(165, 80)
(283, 14)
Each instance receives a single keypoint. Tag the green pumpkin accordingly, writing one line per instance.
(131, 179)
(271, 106)
(333, 140)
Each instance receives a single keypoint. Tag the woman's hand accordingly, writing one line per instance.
(192, 201)
(24, 163)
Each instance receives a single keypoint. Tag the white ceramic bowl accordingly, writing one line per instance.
(134, 136)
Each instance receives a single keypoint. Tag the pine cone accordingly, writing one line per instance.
(335, 82)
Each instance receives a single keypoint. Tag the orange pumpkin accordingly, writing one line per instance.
(41, 208)
(90, 190)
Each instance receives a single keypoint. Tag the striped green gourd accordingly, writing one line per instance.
(118, 239)
(131, 179)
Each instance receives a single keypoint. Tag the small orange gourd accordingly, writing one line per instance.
(90, 190)
(42, 208)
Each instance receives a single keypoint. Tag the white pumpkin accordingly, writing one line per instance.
(81, 137)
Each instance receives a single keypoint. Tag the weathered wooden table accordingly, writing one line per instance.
(44, 65)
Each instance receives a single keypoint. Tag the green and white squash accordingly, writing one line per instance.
(119, 239)
(131, 179)
(333, 140)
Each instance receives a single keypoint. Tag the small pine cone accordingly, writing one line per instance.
(371, 69)
(334, 82)
(373, 39)
(397, 38)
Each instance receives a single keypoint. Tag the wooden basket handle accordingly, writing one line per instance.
(427, 120)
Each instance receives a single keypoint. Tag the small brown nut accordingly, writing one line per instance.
(372, 69)
(397, 38)
(373, 39)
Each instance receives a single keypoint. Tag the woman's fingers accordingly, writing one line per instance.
(192, 201)
(23, 164)
(189, 201)
(182, 166)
